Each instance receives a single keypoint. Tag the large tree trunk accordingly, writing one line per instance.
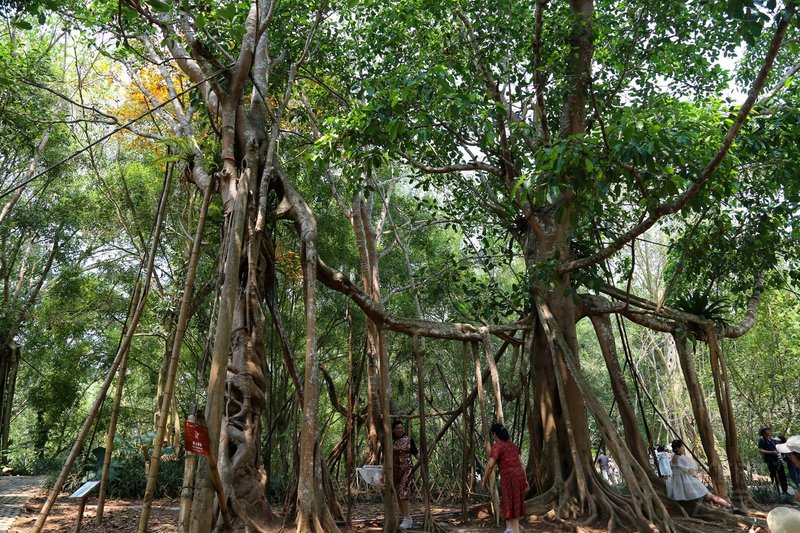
(236, 210)
(643, 510)
(241, 466)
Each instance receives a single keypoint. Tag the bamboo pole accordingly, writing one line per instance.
(114, 416)
(112, 425)
(190, 462)
(169, 388)
(123, 348)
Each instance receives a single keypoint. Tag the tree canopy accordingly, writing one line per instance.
(240, 205)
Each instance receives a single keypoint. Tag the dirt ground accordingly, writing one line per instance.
(123, 516)
(118, 515)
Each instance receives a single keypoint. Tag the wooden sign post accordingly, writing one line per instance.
(82, 493)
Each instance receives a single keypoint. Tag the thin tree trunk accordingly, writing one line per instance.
(487, 445)
(390, 509)
(187, 487)
(702, 420)
(465, 430)
(313, 513)
(423, 442)
(498, 396)
(177, 342)
(740, 494)
(351, 406)
(605, 336)
(8, 374)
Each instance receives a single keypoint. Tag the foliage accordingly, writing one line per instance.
(765, 369)
(397, 88)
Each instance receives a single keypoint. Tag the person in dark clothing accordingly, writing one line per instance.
(767, 449)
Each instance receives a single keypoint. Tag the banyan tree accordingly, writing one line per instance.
(553, 135)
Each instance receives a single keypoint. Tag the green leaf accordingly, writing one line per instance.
(159, 6)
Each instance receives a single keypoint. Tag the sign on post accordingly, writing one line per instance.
(84, 489)
(196, 438)
(82, 493)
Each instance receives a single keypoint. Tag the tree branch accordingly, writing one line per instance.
(694, 189)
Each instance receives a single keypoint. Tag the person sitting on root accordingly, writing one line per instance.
(684, 485)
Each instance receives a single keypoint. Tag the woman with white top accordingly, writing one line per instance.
(684, 486)
(664, 459)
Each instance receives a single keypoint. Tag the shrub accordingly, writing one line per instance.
(765, 493)
(127, 477)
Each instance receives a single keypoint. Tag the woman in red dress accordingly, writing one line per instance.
(513, 482)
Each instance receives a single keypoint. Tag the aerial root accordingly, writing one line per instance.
(543, 502)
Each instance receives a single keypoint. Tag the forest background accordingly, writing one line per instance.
(566, 194)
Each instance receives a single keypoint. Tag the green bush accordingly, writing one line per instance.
(131, 478)
(128, 474)
(50, 466)
(765, 493)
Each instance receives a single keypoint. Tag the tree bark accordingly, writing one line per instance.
(313, 513)
(487, 445)
(9, 364)
(740, 494)
(423, 442)
(633, 438)
(202, 509)
(704, 426)
(172, 363)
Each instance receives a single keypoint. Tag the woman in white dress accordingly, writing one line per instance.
(664, 462)
(684, 486)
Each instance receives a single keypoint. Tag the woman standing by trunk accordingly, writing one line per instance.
(513, 482)
(403, 447)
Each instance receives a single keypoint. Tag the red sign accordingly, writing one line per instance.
(196, 438)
